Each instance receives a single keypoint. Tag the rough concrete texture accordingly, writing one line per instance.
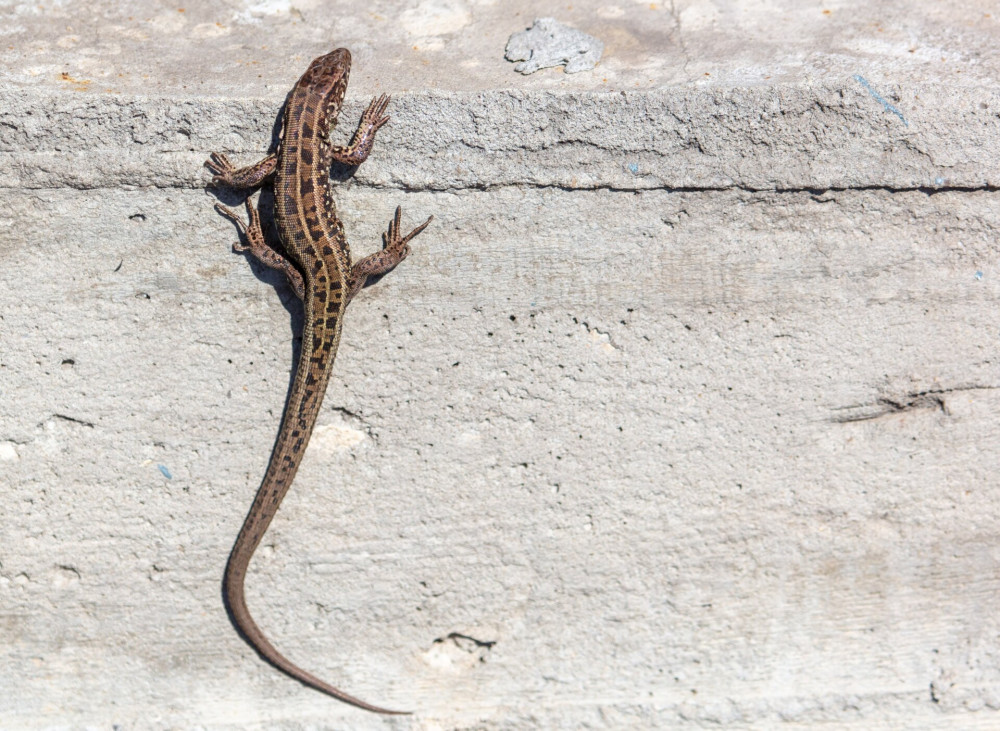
(682, 414)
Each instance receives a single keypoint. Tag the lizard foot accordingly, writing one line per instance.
(395, 248)
(257, 245)
(225, 173)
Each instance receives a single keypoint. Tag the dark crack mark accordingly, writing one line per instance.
(680, 35)
(815, 191)
(470, 185)
(931, 400)
(347, 412)
(73, 420)
(465, 642)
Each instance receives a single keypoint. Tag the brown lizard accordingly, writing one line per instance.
(317, 261)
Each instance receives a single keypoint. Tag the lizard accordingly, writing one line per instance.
(316, 259)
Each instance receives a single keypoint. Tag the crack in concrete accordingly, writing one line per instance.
(680, 36)
(931, 399)
(811, 190)
(611, 187)
(460, 639)
(73, 420)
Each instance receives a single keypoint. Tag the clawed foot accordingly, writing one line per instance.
(225, 173)
(222, 170)
(257, 245)
(375, 116)
(371, 121)
(248, 230)
(395, 248)
(393, 243)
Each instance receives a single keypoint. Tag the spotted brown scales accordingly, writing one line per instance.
(316, 258)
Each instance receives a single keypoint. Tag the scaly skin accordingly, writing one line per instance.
(317, 262)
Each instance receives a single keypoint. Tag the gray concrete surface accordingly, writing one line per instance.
(681, 415)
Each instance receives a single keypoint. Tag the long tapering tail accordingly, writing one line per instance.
(232, 591)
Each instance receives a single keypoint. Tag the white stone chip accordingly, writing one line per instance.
(549, 43)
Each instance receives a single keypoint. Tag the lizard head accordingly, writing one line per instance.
(327, 76)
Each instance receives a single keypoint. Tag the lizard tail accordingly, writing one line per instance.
(236, 603)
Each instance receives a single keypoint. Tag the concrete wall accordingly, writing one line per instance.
(681, 414)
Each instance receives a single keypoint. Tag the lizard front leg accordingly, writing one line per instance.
(225, 173)
(395, 248)
(258, 247)
(364, 137)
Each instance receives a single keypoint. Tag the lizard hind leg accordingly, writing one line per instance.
(258, 247)
(395, 248)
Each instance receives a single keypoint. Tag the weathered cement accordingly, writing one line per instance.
(682, 414)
